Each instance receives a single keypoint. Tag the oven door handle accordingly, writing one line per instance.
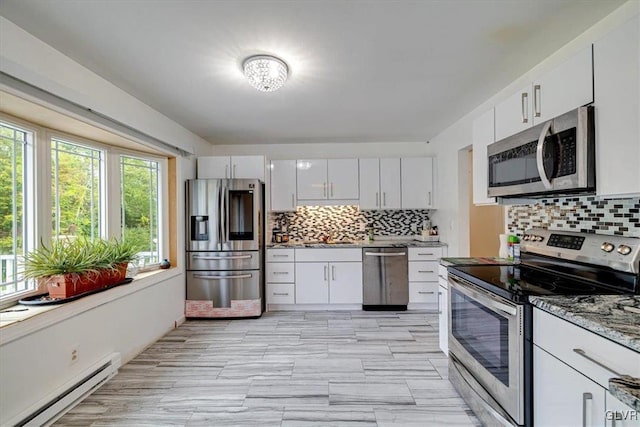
(539, 155)
(483, 298)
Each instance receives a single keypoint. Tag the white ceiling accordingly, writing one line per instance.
(361, 71)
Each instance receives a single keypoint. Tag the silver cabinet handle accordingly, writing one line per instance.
(284, 294)
(234, 171)
(539, 152)
(429, 204)
(525, 113)
(324, 189)
(426, 293)
(333, 272)
(384, 198)
(377, 199)
(425, 254)
(426, 271)
(212, 258)
(226, 171)
(536, 100)
(331, 186)
(280, 272)
(385, 254)
(439, 306)
(239, 276)
(293, 200)
(280, 256)
(325, 273)
(584, 354)
(587, 401)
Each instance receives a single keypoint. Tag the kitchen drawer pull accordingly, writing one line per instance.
(216, 258)
(283, 294)
(425, 254)
(426, 271)
(586, 409)
(584, 354)
(439, 308)
(280, 256)
(280, 272)
(385, 254)
(325, 273)
(426, 293)
(239, 276)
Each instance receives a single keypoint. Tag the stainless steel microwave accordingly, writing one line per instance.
(554, 157)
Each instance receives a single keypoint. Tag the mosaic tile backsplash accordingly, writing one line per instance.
(585, 214)
(345, 222)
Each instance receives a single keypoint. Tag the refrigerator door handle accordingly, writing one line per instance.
(212, 258)
(237, 276)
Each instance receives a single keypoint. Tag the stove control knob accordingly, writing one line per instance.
(607, 247)
(624, 250)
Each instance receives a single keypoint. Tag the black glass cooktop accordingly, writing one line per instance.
(517, 281)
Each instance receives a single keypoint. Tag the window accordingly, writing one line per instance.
(13, 207)
(140, 206)
(76, 178)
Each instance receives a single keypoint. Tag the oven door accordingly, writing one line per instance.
(486, 337)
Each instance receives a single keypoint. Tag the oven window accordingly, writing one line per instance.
(240, 215)
(483, 333)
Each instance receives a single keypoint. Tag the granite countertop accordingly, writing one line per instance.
(616, 317)
(382, 242)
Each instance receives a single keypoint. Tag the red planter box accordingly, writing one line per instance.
(72, 284)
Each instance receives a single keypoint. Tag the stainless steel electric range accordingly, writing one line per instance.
(491, 319)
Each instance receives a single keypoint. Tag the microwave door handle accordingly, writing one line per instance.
(539, 155)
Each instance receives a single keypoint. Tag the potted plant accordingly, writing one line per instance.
(69, 267)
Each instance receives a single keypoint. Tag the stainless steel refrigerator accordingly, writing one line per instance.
(225, 248)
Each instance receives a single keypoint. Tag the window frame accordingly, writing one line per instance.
(38, 181)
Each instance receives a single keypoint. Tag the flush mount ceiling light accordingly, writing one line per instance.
(265, 73)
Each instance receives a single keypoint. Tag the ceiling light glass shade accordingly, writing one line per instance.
(265, 73)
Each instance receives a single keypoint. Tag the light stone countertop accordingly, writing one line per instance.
(385, 241)
(616, 317)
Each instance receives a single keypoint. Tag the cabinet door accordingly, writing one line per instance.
(210, 167)
(443, 319)
(345, 285)
(417, 183)
(619, 414)
(247, 167)
(369, 172)
(562, 396)
(342, 179)
(312, 283)
(312, 179)
(390, 187)
(617, 87)
(483, 135)
(567, 86)
(283, 185)
(513, 114)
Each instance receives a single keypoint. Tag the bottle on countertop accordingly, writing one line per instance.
(513, 248)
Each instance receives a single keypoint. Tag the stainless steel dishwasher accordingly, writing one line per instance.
(385, 278)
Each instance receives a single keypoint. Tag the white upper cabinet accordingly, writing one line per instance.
(559, 90)
(312, 179)
(380, 184)
(417, 183)
(322, 179)
(342, 179)
(249, 167)
(617, 89)
(567, 86)
(483, 135)
(283, 185)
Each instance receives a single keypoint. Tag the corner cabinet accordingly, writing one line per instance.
(617, 87)
(561, 89)
(417, 183)
(483, 131)
(327, 179)
(224, 167)
(283, 185)
(380, 184)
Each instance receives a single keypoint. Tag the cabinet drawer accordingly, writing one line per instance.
(280, 255)
(281, 272)
(423, 292)
(328, 255)
(423, 271)
(442, 271)
(561, 338)
(424, 254)
(280, 293)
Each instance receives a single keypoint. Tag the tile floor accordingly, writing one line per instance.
(285, 369)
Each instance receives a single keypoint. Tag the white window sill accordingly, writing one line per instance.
(17, 324)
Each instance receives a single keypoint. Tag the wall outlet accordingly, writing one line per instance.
(75, 353)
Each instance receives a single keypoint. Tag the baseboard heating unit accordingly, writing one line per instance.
(51, 408)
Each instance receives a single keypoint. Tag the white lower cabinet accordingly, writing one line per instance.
(329, 283)
(619, 414)
(443, 312)
(345, 283)
(423, 277)
(280, 276)
(281, 293)
(563, 396)
(312, 283)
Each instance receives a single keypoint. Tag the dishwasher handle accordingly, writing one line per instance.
(385, 253)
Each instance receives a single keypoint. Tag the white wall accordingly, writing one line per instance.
(457, 136)
(34, 366)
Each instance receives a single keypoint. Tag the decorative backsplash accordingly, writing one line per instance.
(345, 222)
(581, 214)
